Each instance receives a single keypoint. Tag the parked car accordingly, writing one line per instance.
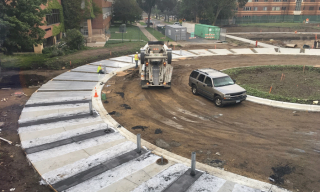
(177, 23)
(216, 86)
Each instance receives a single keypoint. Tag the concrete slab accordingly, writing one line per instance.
(92, 69)
(54, 104)
(123, 185)
(265, 50)
(109, 177)
(183, 182)
(221, 51)
(201, 52)
(250, 41)
(183, 53)
(111, 63)
(126, 59)
(49, 97)
(241, 188)
(76, 76)
(163, 179)
(54, 86)
(96, 170)
(54, 163)
(290, 51)
(207, 182)
(243, 51)
(312, 51)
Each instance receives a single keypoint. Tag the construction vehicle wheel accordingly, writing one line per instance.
(169, 58)
(142, 58)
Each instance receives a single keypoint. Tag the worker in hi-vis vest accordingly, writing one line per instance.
(100, 71)
(136, 59)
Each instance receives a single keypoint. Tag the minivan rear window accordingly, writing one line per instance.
(194, 74)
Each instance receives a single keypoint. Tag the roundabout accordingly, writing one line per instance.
(72, 151)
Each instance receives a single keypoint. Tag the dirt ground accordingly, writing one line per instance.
(252, 140)
(232, 44)
(306, 28)
(288, 82)
(15, 171)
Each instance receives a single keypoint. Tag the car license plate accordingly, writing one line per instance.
(237, 101)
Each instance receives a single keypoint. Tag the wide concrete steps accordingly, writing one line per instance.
(76, 150)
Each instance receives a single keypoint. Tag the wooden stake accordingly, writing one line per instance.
(303, 68)
(270, 89)
(281, 77)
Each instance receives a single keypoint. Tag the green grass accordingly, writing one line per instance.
(78, 58)
(142, 23)
(282, 91)
(132, 33)
(158, 35)
(171, 23)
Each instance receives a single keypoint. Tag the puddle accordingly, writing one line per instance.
(121, 94)
(158, 131)
(125, 106)
(112, 113)
(18, 81)
(279, 172)
(139, 127)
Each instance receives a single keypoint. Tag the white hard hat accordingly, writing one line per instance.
(136, 52)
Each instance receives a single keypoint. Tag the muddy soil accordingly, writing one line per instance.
(269, 144)
(283, 37)
(287, 82)
(15, 171)
(232, 44)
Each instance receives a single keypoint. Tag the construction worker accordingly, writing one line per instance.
(100, 71)
(136, 59)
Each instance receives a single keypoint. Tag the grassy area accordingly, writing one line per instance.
(158, 34)
(170, 23)
(43, 61)
(142, 23)
(132, 33)
(282, 25)
(296, 86)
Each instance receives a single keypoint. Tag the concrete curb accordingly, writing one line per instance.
(97, 103)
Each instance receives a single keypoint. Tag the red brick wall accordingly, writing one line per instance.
(99, 22)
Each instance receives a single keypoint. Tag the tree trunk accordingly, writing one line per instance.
(216, 17)
(149, 18)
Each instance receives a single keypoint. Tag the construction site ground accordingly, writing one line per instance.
(269, 144)
(16, 173)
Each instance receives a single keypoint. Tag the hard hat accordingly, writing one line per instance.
(136, 52)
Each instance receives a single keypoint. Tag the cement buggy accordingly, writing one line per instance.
(155, 68)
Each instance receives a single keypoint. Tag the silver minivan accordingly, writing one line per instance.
(216, 86)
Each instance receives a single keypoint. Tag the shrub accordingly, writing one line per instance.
(74, 39)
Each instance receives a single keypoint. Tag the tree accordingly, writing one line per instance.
(167, 6)
(74, 39)
(23, 19)
(76, 11)
(126, 11)
(147, 6)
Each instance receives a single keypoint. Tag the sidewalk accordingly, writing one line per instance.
(146, 33)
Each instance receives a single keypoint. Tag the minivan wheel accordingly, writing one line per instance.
(218, 101)
(194, 90)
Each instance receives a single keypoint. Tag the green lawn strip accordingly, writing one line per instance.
(158, 35)
(171, 23)
(42, 61)
(142, 23)
(132, 33)
(254, 89)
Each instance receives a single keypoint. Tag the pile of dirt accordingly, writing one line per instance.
(24, 81)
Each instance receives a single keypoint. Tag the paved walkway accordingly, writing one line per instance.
(75, 148)
(250, 41)
(146, 33)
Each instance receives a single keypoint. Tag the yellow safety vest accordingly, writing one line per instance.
(136, 57)
(99, 68)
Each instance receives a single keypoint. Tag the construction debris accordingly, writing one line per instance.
(5, 140)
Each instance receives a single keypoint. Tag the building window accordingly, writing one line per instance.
(276, 0)
(312, 1)
(283, 8)
(266, 0)
(54, 17)
(319, 8)
(275, 8)
(247, 8)
(298, 5)
(255, 8)
(311, 8)
(265, 8)
(284, 0)
(246, 16)
(256, 0)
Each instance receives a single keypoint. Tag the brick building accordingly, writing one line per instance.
(94, 29)
(294, 8)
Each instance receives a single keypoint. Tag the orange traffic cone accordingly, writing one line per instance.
(95, 94)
